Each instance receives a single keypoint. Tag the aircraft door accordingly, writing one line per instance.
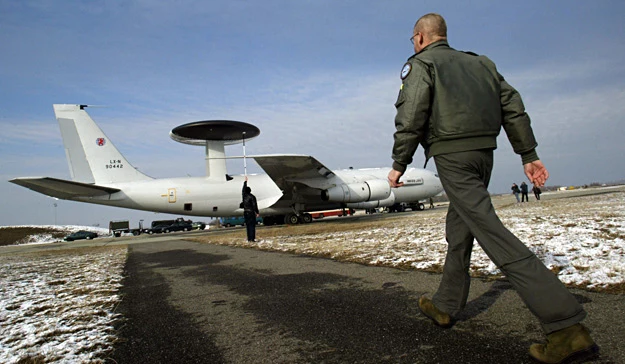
(171, 195)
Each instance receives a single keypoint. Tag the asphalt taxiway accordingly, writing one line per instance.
(192, 302)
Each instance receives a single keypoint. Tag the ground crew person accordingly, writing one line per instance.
(454, 104)
(250, 211)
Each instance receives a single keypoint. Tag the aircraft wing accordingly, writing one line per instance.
(61, 188)
(285, 167)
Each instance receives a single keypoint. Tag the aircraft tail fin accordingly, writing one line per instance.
(91, 156)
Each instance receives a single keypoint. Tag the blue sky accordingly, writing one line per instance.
(317, 77)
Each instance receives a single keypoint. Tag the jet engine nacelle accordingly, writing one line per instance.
(373, 204)
(373, 190)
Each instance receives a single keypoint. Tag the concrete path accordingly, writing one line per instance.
(188, 302)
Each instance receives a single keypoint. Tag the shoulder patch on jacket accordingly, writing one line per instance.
(405, 71)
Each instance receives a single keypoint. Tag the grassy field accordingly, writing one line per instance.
(582, 239)
(21, 235)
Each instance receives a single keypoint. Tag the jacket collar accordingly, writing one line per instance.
(439, 43)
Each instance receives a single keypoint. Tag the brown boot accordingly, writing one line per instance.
(574, 342)
(439, 317)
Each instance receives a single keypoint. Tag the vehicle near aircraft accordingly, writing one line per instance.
(176, 226)
(166, 226)
(119, 227)
(236, 220)
(81, 234)
(293, 186)
(198, 225)
(339, 212)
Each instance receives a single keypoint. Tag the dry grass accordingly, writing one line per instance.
(16, 235)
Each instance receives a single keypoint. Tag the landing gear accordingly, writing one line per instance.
(291, 219)
(288, 219)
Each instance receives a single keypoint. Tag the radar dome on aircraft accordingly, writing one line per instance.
(214, 135)
(227, 132)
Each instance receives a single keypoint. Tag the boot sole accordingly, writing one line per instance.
(576, 357)
(444, 326)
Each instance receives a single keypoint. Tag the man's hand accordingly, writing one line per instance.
(393, 178)
(245, 178)
(536, 173)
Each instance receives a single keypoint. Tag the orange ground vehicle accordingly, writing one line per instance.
(339, 212)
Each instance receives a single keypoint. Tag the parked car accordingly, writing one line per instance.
(181, 225)
(156, 229)
(238, 220)
(81, 234)
(198, 225)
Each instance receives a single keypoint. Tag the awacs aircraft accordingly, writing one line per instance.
(293, 185)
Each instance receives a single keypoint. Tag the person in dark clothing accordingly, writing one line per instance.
(537, 192)
(516, 191)
(524, 197)
(250, 211)
(455, 104)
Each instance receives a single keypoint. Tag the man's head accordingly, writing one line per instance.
(428, 29)
(248, 190)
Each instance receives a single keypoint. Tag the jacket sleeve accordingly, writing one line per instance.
(516, 123)
(243, 191)
(413, 111)
(255, 205)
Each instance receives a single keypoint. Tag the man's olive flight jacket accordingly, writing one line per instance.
(452, 101)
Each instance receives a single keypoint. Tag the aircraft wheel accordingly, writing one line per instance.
(421, 206)
(307, 218)
(291, 219)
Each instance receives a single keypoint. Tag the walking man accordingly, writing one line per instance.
(537, 192)
(250, 211)
(454, 104)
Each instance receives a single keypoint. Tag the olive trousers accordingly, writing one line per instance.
(465, 177)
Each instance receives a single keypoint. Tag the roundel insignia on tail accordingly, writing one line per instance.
(405, 71)
(100, 142)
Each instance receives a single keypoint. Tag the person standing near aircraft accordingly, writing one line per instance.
(516, 191)
(454, 104)
(524, 191)
(250, 211)
(537, 192)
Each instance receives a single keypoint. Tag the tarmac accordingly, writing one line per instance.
(199, 303)
(189, 302)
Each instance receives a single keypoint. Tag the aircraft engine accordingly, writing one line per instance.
(373, 204)
(358, 192)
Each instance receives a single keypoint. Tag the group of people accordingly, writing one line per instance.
(516, 191)
(455, 104)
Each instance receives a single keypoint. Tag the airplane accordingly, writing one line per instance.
(293, 185)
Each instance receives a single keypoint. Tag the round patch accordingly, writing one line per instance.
(405, 71)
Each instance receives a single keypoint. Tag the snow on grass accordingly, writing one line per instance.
(58, 307)
(47, 237)
(581, 239)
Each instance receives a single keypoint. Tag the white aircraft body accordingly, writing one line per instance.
(293, 185)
